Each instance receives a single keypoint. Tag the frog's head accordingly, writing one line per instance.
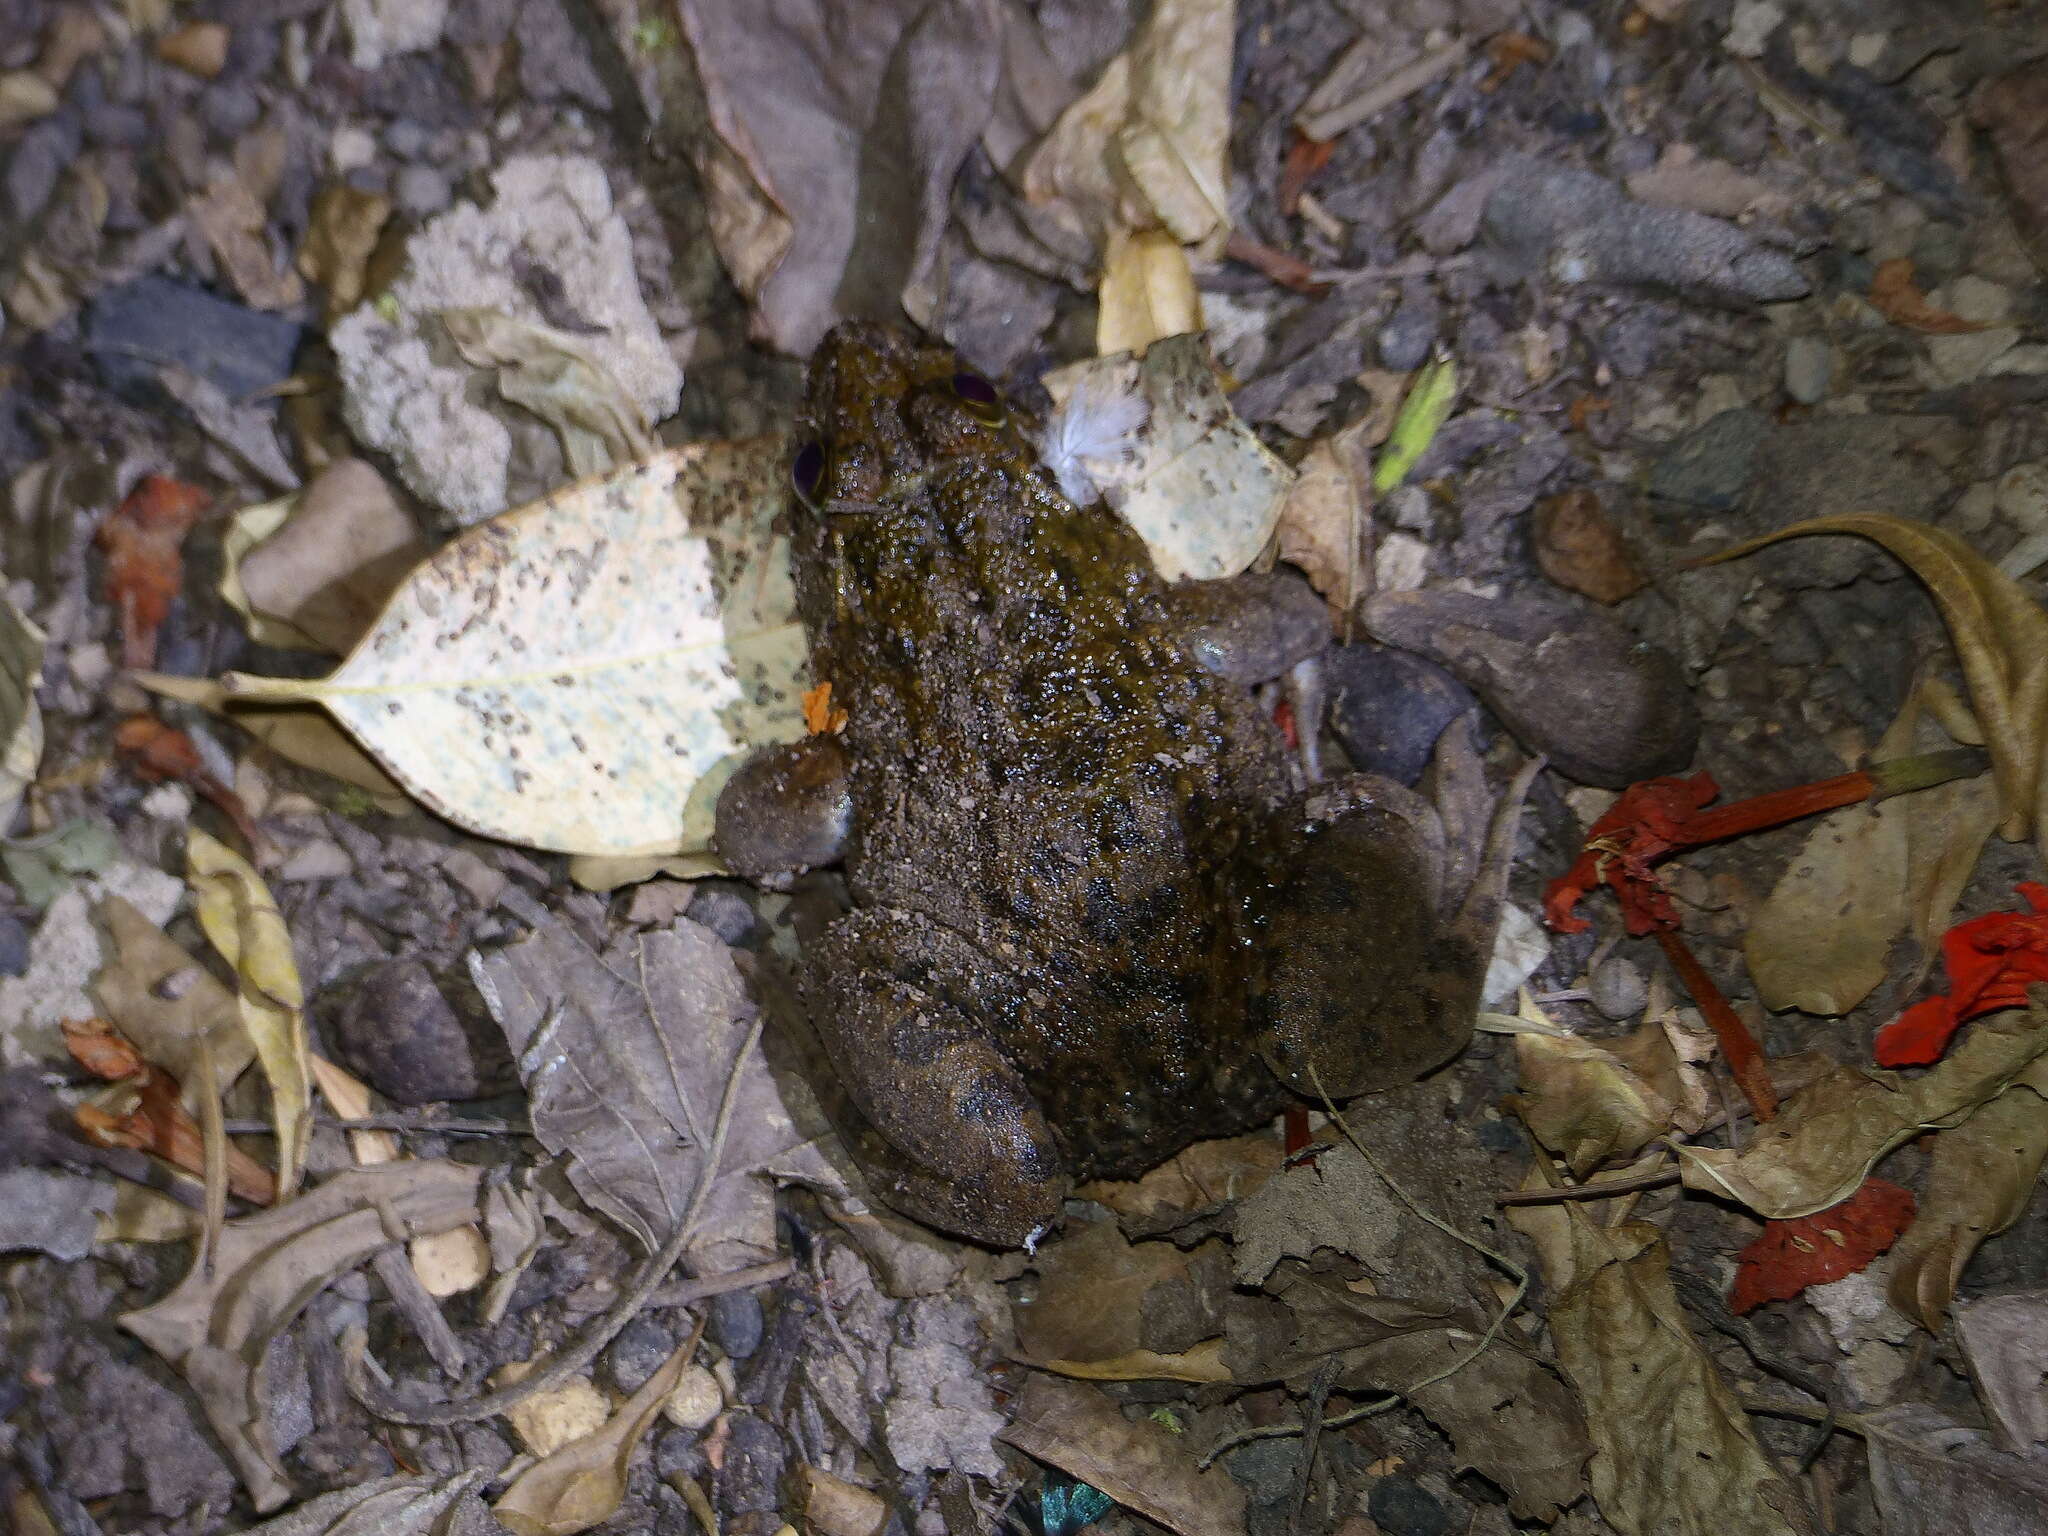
(883, 411)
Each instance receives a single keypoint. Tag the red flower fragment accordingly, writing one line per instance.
(1991, 961)
(1652, 818)
(145, 569)
(1811, 1250)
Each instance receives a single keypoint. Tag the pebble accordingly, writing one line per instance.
(1410, 332)
(319, 859)
(736, 1323)
(723, 907)
(113, 126)
(1618, 988)
(400, 1034)
(2021, 497)
(229, 110)
(240, 351)
(350, 149)
(420, 190)
(1388, 707)
(1974, 509)
(406, 138)
(14, 942)
(39, 157)
(642, 1348)
(1809, 368)
(1708, 468)
(1400, 1506)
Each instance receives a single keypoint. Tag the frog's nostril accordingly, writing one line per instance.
(807, 472)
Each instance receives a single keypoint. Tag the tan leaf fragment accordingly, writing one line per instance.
(1835, 1130)
(296, 732)
(240, 919)
(165, 1002)
(21, 719)
(1324, 525)
(1201, 1364)
(311, 571)
(583, 1483)
(1143, 1466)
(1091, 1292)
(1587, 1104)
(341, 233)
(2001, 638)
(236, 224)
(389, 1506)
(1980, 1182)
(1147, 293)
(217, 1329)
(583, 674)
(1673, 1452)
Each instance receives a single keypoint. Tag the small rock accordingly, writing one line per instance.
(132, 330)
(736, 1323)
(113, 126)
(725, 908)
(1809, 368)
(548, 1421)
(405, 138)
(2021, 497)
(676, 1452)
(230, 109)
(1709, 467)
(14, 943)
(696, 1401)
(642, 1348)
(657, 903)
(318, 859)
(1388, 707)
(399, 1033)
(351, 149)
(38, 159)
(1618, 989)
(482, 882)
(749, 1480)
(420, 190)
(1405, 340)
(199, 48)
(1578, 548)
(1400, 1506)
(1975, 508)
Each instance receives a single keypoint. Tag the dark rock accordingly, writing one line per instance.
(401, 1035)
(1400, 1506)
(1410, 332)
(14, 937)
(736, 1322)
(1709, 467)
(554, 64)
(1388, 708)
(748, 1481)
(135, 329)
(130, 1432)
(1266, 1470)
(39, 158)
(229, 108)
(677, 1453)
(725, 908)
(1577, 686)
(115, 126)
(642, 1348)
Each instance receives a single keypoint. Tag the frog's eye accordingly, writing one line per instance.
(807, 472)
(983, 401)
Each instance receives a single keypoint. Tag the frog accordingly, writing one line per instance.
(1093, 915)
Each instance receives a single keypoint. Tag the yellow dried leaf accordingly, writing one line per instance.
(2001, 639)
(1587, 1104)
(240, 919)
(1147, 293)
(1202, 1364)
(584, 673)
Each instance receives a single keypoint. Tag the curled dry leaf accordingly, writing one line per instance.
(241, 920)
(1587, 1104)
(1980, 1182)
(1832, 1132)
(2001, 638)
(1932, 1476)
(584, 1482)
(21, 719)
(1091, 1294)
(142, 541)
(387, 1506)
(1895, 295)
(584, 673)
(155, 752)
(217, 1326)
(1141, 1465)
(1673, 1452)
(1147, 293)
(1322, 527)
(1201, 489)
(165, 1002)
(564, 383)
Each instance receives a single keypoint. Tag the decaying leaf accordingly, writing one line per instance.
(583, 674)
(217, 1328)
(627, 1057)
(145, 569)
(1142, 1465)
(1207, 1174)
(310, 571)
(165, 1002)
(1822, 940)
(1932, 1476)
(1895, 295)
(1586, 1103)
(300, 733)
(1092, 1288)
(1834, 1131)
(565, 384)
(21, 719)
(341, 232)
(2001, 639)
(235, 224)
(1201, 489)
(1788, 1256)
(387, 1506)
(1148, 145)
(1673, 1452)
(2004, 1341)
(1147, 293)
(1323, 523)
(241, 920)
(583, 1483)
(1980, 1182)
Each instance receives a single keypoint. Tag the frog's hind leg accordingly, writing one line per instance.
(959, 1141)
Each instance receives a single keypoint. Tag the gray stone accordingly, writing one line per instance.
(406, 139)
(229, 108)
(725, 909)
(1411, 331)
(112, 125)
(39, 158)
(736, 1322)
(14, 943)
(1709, 467)
(420, 190)
(135, 329)
(642, 1348)
(1400, 1506)
(1388, 707)
(400, 1034)
(1809, 368)
(1618, 989)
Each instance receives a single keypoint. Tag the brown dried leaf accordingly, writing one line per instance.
(2001, 638)
(236, 224)
(1980, 1182)
(217, 1328)
(1207, 1174)
(2004, 1341)
(1831, 1133)
(165, 1001)
(583, 1483)
(2013, 110)
(1323, 527)
(1142, 1465)
(389, 1506)
(1894, 295)
(1091, 1294)
(1578, 548)
(341, 234)
(1673, 1452)
(1587, 1104)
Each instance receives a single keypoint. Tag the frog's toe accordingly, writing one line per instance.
(964, 1145)
(786, 809)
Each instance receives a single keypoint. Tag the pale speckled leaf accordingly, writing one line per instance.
(1200, 488)
(21, 721)
(584, 673)
(390, 1506)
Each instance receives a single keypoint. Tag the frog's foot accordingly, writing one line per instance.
(959, 1140)
(1347, 898)
(786, 809)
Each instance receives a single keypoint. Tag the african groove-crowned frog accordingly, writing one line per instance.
(1092, 922)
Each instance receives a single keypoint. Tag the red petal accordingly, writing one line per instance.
(1918, 1036)
(1810, 1250)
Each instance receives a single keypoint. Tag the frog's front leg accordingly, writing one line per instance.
(961, 1143)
